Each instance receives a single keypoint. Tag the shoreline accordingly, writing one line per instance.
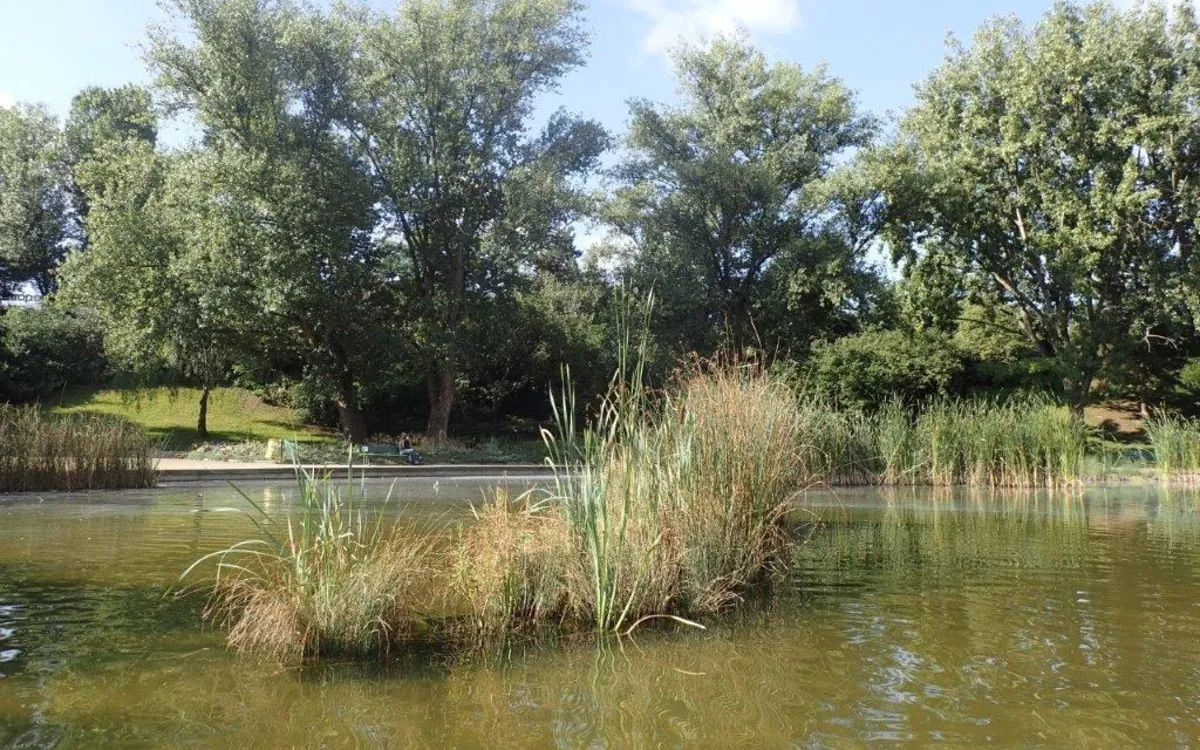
(175, 471)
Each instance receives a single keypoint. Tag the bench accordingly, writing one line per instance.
(390, 450)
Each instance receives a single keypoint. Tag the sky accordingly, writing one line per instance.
(49, 49)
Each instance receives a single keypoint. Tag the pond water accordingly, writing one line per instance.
(915, 618)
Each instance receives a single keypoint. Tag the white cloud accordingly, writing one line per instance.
(673, 21)
(7, 100)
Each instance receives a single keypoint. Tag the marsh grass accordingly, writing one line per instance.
(41, 451)
(664, 505)
(335, 580)
(1027, 442)
(1176, 444)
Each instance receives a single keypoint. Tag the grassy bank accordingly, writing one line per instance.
(169, 415)
(40, 451)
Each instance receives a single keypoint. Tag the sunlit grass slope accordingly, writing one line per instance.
(169, 415)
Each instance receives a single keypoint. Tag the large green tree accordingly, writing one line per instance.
(289, 212)
(35, 207)
(1056, 166)
(716, 191)
(443, 103)
(145, 274)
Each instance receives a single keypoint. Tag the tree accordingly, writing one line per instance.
(35, 215)
(864, 370)
(1057, 167)
(289, 210)
(716, 191)
(47, 350)
(443, 99)
(144, 273)
(102, 120)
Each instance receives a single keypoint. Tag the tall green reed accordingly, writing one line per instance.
(1022, 442)
(1175, 442)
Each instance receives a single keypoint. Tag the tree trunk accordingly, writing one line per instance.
(1077, 392)
(439, 383)
(202, 418)
(350, 416)
(352, 419)
(735, 324)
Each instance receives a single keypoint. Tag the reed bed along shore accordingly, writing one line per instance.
(1175, 442)
(1027, 442)
(40, 451)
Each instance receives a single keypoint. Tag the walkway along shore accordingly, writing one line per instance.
(186, 471)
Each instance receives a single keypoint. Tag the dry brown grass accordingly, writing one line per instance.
(40, 451)
(332, 582)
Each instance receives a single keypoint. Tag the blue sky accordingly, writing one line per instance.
(49, 49)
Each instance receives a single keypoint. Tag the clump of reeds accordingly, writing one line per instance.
(331, 581)
(1176, 444)
(1016, 443)
(43, 451)
(664, 505)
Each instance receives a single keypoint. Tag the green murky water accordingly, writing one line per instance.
(915, 618)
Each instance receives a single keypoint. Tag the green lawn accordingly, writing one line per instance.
(169, 415)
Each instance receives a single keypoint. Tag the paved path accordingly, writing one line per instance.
(180, 470)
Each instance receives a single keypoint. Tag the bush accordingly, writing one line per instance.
(48, 350)
(866, 370)
(1189, 378)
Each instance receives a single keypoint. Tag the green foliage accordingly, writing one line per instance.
(475, 202)
(281, 213)
(523, 343)
(48, 350)
(1189, 377)
(144, 275)
(35, 210)
(730, 184)
(103, 122)
(1046, 162)
(865, 370)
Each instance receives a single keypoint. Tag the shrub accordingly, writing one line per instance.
(865, 370)
(48, 350)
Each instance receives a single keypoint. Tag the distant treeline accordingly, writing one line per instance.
(372, 227)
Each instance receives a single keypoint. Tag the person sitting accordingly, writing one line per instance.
(408, 452)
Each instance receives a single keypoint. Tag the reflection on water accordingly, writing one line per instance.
(914, 618)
